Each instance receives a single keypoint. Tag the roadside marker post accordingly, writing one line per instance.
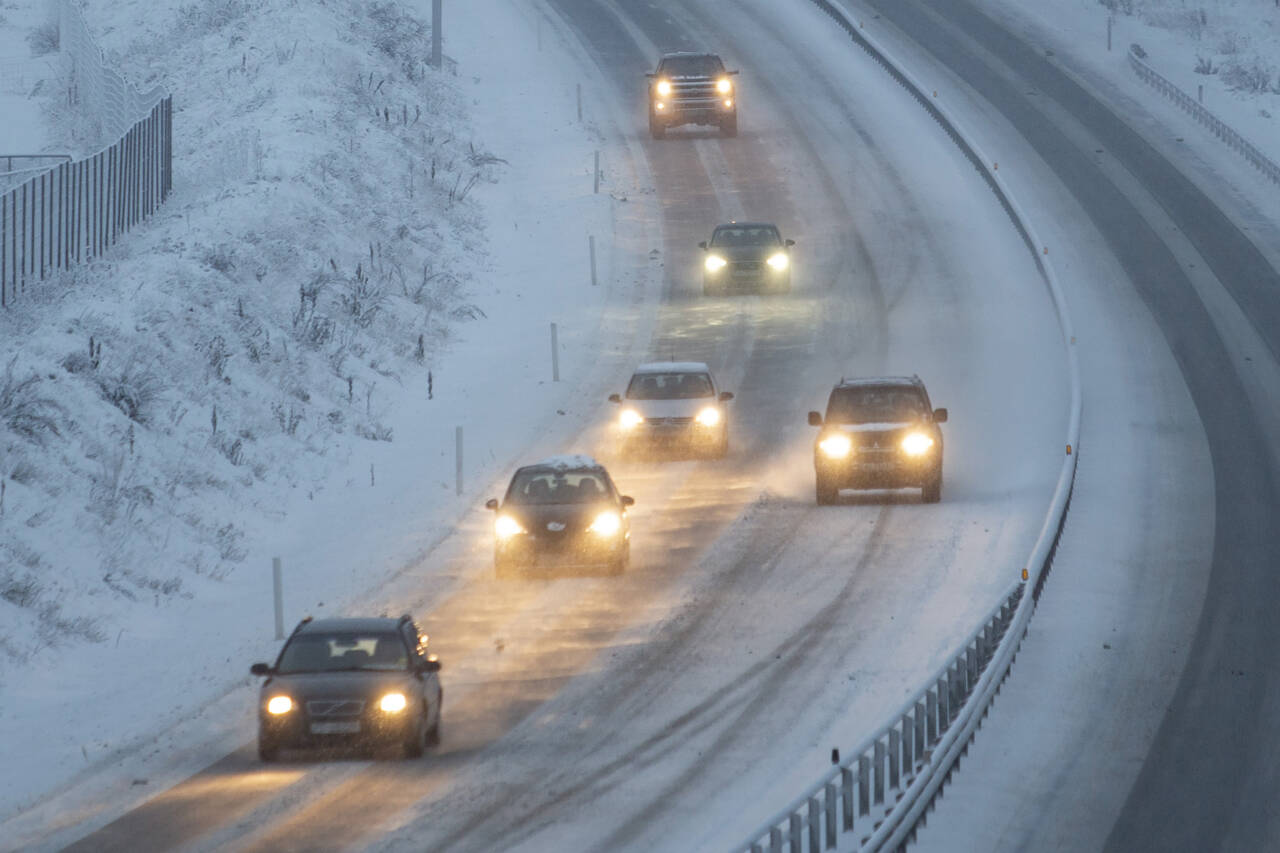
(555, 354)
(277, 584)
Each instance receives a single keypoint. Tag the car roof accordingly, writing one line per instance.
(355, 625)
(913, 381)
(567, 461)
(746, 225)
(674, 367)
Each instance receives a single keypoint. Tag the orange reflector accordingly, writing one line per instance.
(1046, 250)
(1068, 450)
(995, 167)
(1024, 574)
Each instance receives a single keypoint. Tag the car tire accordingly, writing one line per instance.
(729, 126)
(931, 491)
(268, 750)
(656, 128)
(825, 491)
(416, 742)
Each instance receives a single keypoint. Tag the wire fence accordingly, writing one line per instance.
(77, 209)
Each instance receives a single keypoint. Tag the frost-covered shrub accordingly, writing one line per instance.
(1253, 76)
(1190, 21)
(43, 38)
(1232, 43)
(1204, 65)
(396, 33)
(199, 19)
(133, 389)
(23, 410)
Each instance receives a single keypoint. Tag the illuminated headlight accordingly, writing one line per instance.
(664, 87)
(506, 527)
(728, 102)
(606, 524)
(836, 446)
(916, 444)
(715, 263)
(723, 86)
(660, 106)
(630, 419)
(708, 417)
(279, 705)
(778, 261)
(393, 703)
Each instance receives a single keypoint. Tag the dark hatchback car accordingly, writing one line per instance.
(562, 512)
(878, 434)
(746, 256)
(350, 682)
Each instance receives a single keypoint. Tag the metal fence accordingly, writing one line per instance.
(889, 782)
(77, 209)
(1217, 126)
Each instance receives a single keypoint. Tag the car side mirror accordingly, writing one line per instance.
(651, 75)
(615, 398)
(430, 665)
(733, 72)
(790, 242)
(939, 416)
(260, 669)
(627, 500)
(703, 245)
(492, 504)
(815, 419)
(726, 396)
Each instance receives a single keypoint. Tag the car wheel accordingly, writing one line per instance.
(931, 491)
(729, 125)
(656, 128)
(268, 750)
(825, 491)
(416, 741)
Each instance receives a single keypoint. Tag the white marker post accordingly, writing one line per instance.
(591, 243)
(555, 355)
(277, 583)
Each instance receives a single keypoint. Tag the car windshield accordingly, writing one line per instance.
(874, 404)
(691, 66)
(669, 386)
(338, 651)
(746, 235)
(557, 487)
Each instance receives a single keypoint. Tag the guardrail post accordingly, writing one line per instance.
(944, 701)
(775, 840)
(815, 825)
(829, 805)
(846, 797)
(796, 832)
(864, 784)
(895, 757)
(908, 741)
(880, 762)
(971, 665)
(931, 715)
(920, 717)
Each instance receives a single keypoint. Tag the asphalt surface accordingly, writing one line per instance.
(625, 710)
(1209, 780)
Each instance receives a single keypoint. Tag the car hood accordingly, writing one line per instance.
(365, 684)
(671, 408)
(575, 517)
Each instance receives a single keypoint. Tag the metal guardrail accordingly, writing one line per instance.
(1217, 126)
(891, 779)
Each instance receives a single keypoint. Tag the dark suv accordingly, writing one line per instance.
(878, 434)
(350, 682)
(564, 511)
(746, 255)
(692, 88)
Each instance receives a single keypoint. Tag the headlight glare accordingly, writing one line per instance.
(630, 418)
(836, 446)
(506, 527)
(607, 523)
(664, 87)
(393, 703)
(715, 263)
(279, 705)
(723, 86)
(778, 261)
(708, 417)
(916, 444)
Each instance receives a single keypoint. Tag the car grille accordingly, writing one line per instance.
(685, 91)
(661, 422)
(335, 707)
(746, 266)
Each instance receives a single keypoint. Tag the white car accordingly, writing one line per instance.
(673, 404)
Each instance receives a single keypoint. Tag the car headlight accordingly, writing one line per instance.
(279, 705)
(715, 263)
(708, 417)
(723, 86)
(778, 261)
(836, 446)
(393, 703)
(506, 527)
(630, 418)
(664, 87)
(916, 444)
(607, 523)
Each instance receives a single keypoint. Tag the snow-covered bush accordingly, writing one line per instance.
(1252, 76)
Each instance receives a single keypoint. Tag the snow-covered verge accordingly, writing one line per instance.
(279, 359)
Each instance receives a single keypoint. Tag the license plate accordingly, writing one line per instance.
(346, 727)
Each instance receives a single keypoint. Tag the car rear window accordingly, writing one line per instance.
(557, 487)
(691, 66)
(669, 386)
(335, 652)
(874, 404)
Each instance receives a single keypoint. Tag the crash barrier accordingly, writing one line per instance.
(77, 209)
(877, 796)
(1217, 126)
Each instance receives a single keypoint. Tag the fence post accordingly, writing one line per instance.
(846, 797)
(880, 768)
(864, 784)
(795, 833)
(436, 40)
(829, 807)
(277, 586)
(895, 758)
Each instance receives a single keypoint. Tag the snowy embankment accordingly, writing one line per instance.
(352, 265)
